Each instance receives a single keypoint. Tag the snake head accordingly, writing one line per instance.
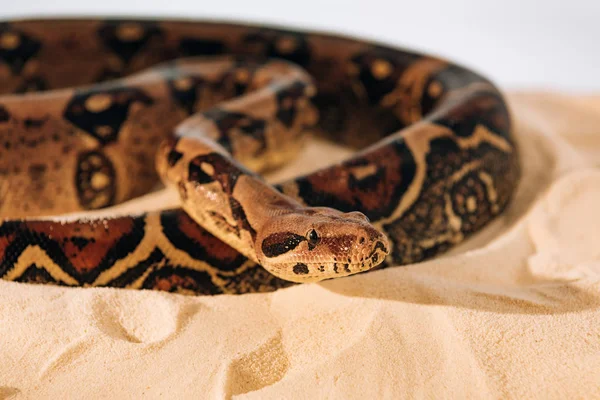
(312, 244)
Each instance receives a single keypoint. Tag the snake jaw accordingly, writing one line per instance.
(305, 269)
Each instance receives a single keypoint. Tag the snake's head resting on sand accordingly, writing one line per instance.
(312, 244)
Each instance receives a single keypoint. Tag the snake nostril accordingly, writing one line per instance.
(361, 240)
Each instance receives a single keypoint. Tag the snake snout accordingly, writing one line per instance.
(372, 246)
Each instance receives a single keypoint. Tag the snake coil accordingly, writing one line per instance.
(93, 112)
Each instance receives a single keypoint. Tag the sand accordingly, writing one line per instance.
(512, 313)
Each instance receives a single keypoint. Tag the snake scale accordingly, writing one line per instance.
(94, 112)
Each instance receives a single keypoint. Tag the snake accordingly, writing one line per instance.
(95, 112)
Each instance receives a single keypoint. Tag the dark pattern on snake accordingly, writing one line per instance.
(435, 158)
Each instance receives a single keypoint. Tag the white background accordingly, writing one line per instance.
(550, 44)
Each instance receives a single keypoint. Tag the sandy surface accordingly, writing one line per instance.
(512, 313)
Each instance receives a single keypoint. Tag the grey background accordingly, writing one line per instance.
(528, 44)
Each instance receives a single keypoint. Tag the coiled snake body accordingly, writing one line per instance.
(435, 159)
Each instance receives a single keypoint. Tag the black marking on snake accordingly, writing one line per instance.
(186, 96)
(368, 182)
(226, 121)
(479, 108)
(88, 165)
(255, 128)
(105, 124)
(36, 171)
(248, 69)
(35, 274)
(287, 101)
(280, 243)
(32, 84)
(322, 268)
(278, 43)
(24, 49)
(377, 87)
(173, 157)
(335, 268)
(452, 78)
(346, 268)
(111, 34)
(80, 242)
(380, 246)
(332, 113)
(31, 123)
(4, 114)
(300, 269)
(238, 213)
(226, 173)
(429, 101)
(223, 119)
(108, 73)
(201, 47)
(197, 175)
(444, 157)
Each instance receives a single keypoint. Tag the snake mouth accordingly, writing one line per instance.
(318, 271)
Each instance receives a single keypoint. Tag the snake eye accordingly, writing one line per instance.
(313, 239)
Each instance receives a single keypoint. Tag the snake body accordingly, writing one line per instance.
(93, 112)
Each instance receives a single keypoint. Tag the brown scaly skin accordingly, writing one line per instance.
(441, 161)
